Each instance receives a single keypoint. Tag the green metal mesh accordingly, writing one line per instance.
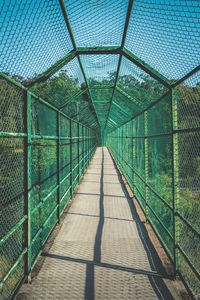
(52, 165)
(100, 69)
(187, 154)
(12, 106)
(121, 73)
(165, 34)
(28, 29)
(100, 23)
(158, 152)
(62, 85)
(138, 84)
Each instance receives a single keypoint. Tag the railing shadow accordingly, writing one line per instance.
(157, 274)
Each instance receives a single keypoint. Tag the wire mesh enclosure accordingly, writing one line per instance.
(77, 74)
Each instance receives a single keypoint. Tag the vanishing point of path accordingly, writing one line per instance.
(102, 250)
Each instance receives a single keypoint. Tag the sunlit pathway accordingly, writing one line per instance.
(102, 250)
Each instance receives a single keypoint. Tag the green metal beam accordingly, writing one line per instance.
(151, 105)
(117, 105)
(28, 185)
(72, 97)
(130, 6)
(186, 76)
(133, 99)
(112, 121)
(147, 68)
(64, 11)
(88, 88)
(98, 50)
(95, 87)
(40, 79)
(100, 101)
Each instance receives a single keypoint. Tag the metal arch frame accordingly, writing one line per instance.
(120, 50)
(39, 80)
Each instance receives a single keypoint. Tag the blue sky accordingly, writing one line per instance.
(164, 33)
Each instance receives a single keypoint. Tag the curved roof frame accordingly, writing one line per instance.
(121, 51)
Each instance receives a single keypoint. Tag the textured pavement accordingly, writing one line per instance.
(102, 250)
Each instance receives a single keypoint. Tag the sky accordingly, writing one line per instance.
(163, 33)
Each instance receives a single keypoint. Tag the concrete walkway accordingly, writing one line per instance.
(102, 250)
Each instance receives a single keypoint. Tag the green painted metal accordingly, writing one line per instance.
(134, 100)
(13, 230)
(170, 236)
(99, 101)
(72, 97)
(71, 169)
(120, 58)
(147, 68)
(64, 11)
(58, 166)
(67, 22)
(39, 156)
(11, 80)
(88, 89)
(146, 165)
(176, 192)
(28, 181)
(48, 152)
(115, 104)
(98, 50)
(146, 109)
(101, 87)
(40, 79)
(12, 134)
(13, 268)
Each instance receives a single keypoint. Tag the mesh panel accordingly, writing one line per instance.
(188, 104)
(9, 252)
(13, 281)
(64, 126)
(11, 107)
(63, 84)
(43, 119)
(100, 110)
(126, 104)
(101, 94)
(33, 37)
(139, 84)
(117, 115)
(165, 34)
(188, 203)
(99, 23)
(11, 171)
(100, 69)
(77, 105)
(159, 117)
(160, 179)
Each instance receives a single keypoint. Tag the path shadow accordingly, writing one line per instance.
(157, 274)
(158, 284)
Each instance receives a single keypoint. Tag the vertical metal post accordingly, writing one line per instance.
(127, 141)
(78, 154)
(87, 146)
(146, 164)
(175, 178)
(28, 187)
(71, 175)
(58, 166)
(82, 150)
(118, 147)
(134, 158)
